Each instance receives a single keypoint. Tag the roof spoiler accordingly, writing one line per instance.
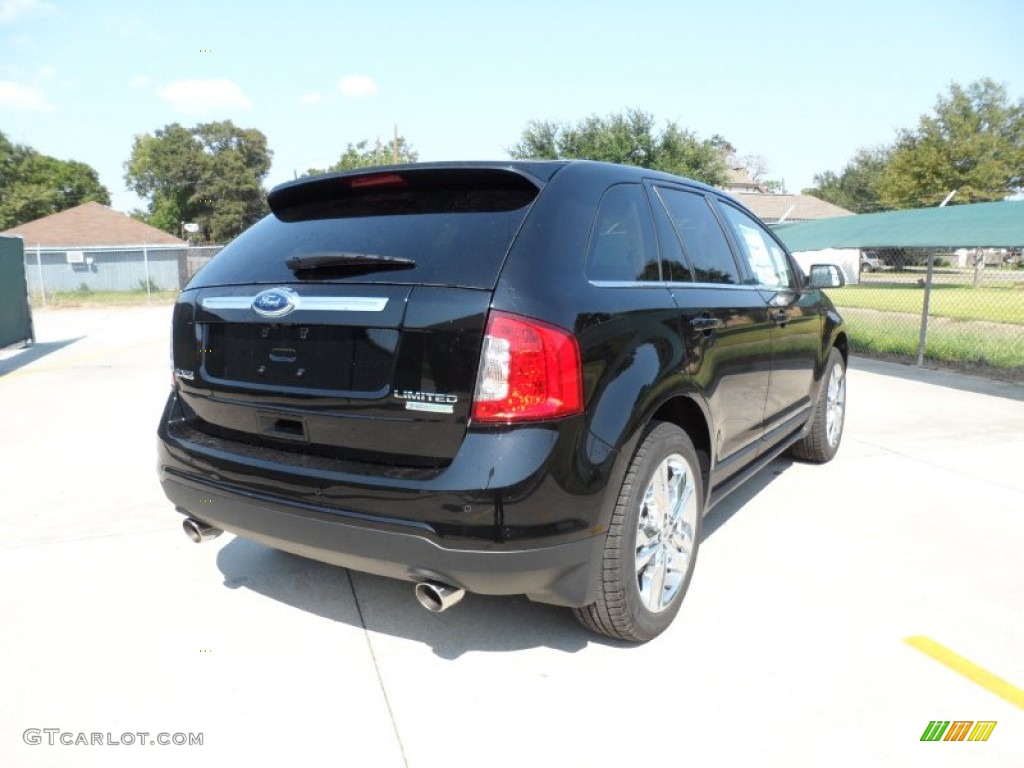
(297, 199)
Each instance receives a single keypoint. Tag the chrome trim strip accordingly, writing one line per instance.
(227, 302)
(344, 303)
(313, 303)
(670, 284)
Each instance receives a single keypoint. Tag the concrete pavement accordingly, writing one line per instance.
(789, 649)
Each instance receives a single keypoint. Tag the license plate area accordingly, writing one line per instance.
(321, 357)
(282, 427)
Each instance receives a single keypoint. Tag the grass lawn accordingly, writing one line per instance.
(965, 343)
(62, 299)
(997, 304)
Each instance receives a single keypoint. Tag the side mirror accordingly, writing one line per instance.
(826, 276)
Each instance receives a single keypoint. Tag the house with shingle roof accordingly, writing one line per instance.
(774, 208)
(94, 247)
(90, 224)
(738, 180)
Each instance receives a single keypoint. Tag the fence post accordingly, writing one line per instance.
(923, 339)
(145, 262)
(39, 267)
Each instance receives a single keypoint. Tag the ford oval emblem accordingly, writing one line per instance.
(275, 302)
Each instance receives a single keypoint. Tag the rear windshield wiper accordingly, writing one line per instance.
(344, 259)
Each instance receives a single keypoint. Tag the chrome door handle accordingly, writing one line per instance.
(705, 323)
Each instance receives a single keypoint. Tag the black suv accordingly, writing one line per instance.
(505, 378)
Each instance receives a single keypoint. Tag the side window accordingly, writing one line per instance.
(622, 242)
(674, 265)
(767, 261)
(701, 235)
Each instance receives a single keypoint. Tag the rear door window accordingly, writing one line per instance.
(622, 246)
(702, 237)
(675, 267)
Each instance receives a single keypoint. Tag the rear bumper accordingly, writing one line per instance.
(561, 574)
(512, 514)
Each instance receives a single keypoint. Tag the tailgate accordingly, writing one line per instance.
(376, 373)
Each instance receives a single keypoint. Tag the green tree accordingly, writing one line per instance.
(973, 143)
(362, 155)
(211, 174)
(33, 185)
(630, 138)
(856, 187)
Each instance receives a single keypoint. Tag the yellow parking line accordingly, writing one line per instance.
(30, 368)
(968, 669)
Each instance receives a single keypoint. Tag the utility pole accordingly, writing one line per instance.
(394, 147)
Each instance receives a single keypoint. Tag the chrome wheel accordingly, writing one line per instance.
(835, 404)
(665, 532)
(653, 539)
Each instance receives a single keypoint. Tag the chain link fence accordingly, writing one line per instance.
(965, 310)
(59, 276)
(962, 309)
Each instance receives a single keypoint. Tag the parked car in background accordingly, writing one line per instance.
(870, 261)
(506, 378)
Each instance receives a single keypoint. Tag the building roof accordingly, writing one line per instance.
(770, 207)
(978, 225)
(90, 224)
(739, 180)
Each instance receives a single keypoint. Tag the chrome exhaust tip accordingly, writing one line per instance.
(199, 531)
(437, 597)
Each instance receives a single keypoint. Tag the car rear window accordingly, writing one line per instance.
(454, 225)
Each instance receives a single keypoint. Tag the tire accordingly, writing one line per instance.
(826, 429)
(638, 603)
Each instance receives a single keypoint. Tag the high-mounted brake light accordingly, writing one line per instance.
(377, 180)
(528, 371)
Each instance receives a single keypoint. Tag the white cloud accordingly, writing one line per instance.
(10, 10)
(24, 98)
(47, 71)
(195, 97)
(357, 86)
(139, 81)
(311, 98)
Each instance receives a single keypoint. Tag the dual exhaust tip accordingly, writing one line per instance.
(435, 596)
(199, 531)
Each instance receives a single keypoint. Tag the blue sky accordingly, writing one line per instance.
(803, 84)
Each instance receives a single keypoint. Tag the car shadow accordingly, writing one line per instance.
(722, 512)
(30, 353)
(388, 606)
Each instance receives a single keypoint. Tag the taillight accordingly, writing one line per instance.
(528, 370)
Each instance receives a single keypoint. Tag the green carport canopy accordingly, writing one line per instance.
(979, 225)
